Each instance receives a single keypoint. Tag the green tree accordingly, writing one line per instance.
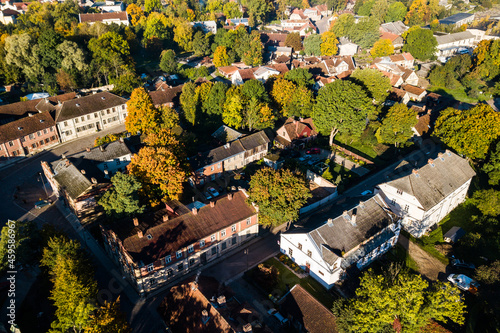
(365, 33)
(487, 201)
(167, 62)
(469, 132)
(22, 52)
(300, 76)
(406, 299)
(294, 41)
(396, 12)
(232, 114)
(142, 116)
(18, 244)
(343, 25)
(216, 99)
(126, 83)
(418, 14)
(201, 43)
(492, 167)
(189, 102)
(158, 27)
(152, 5)
(231, 10)
(312, 45)
(122, 199)
(382, 48)
(342, 106)
(72, 56)
(254, 89)
(421, 43)
(252, 54)
(375, 83)
(221, 58)
(379, 10)
(257, 10)
(278, 194)
(397, 125)
(329, 44)
(49, 54)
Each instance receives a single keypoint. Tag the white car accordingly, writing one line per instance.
(463, 282)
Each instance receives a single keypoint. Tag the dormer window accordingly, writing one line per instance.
(149, 237)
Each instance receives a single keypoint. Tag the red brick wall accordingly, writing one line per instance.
(18, 147)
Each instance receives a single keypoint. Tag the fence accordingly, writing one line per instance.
(350, 153)
(322, 182)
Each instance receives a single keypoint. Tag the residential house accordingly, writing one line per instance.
(303, 27)
(337, 65)
(397, 28)
(263, 73)
(154, 248)
(81, 177)
(18, 110)
(166, 96)
(241, 75)
(226, 134)
(110, 6)
(28, 135)
(423, 125)
(280, 67)
(19, 7)
(227, 71)
(396, 40)
(404, 60)
(458, 19)
(346, 47)
(323, 9)
(206, 26)
(306, 313)
(415, 93)
(231, 156)
(120, 18)
(296, 132)
(398, 96)
(8, 16)
(451, 43)
(272, 39)
(423, 194)
(298, 14)
(86, 115)
(237, 21)
(346, 240)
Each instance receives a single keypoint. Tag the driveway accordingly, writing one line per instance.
(428, 266)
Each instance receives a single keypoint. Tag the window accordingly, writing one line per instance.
(123, 107)
(224, 246)
(41, 143)
(400, 192)
(178, 254)
(47, 140)
(190, 248)
(321, 273)
(202, 243)
(233, 228)
(393, 202)
(233, 240)
(212, 238)
(83, 118)
(52, 129)
(212, 168)
(309, 253)
(170, 273)
(300, 247)
(15, 153)
(407, 208)
(65, 124)
(105, 165)
(11, 144)
(180, 267)
(223, 233)
(113, 109)
(69, 132)
(77, 120)
(104, 121)
(249, 221)
(45, 131)
(22, 139)
(33, 145)
(290, 252)
(88, 117)
(191, 262)
(151, 267)
(31, 136)
(107, 111)
(168, 259)
(52, 138)
(103, 113)
(39, 133)
(95, 115)
(214, 250)
(149, 237)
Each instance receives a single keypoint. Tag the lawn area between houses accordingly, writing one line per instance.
(398, 253)
(427, 243)
(286, 280)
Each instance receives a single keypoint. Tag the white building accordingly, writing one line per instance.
(423, 196)
(206, 26)
(120, 18)
(345, 240)
(110, 6)
(86, 115)
(451, 43)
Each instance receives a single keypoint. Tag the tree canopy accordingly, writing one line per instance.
(492, 167)
(421, 43)
(382, 48)
(142, 116)
(123, 197)
(397, 125)
(376, 84)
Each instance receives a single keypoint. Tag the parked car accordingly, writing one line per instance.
(367, 192)
(278, 316)
(304, 158)
(464, 282)
(42, 203)
(313, 151)
(213, 192)
(207, 195)
(461, 264)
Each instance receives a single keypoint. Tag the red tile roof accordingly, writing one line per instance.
(165, 95)
(99, 17)
(21, 108)
(25, 126)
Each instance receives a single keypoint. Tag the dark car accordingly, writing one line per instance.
(461, 264)
(313, 151)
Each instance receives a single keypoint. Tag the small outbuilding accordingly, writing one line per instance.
(454, 234)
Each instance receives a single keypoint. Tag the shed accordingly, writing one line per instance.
(454, 234)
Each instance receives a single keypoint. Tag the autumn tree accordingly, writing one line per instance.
(294, 41)
(492, 166)
(376, 84)
(421, 43)
(221, 58)
(252, 54)
(168, 63)
(142, 116)
(395, 12)
(278, 194)
(123, 198)
(108, 319)
(342, 106)
(189, 102)
(183, 35)
(232, 114)
(135, 12)
(406, 300)
(342, 26)
(329, 44)
(397, 125)
(469, 132)
(152, 5)
(418, 14)
(312, 45)
(382, 48)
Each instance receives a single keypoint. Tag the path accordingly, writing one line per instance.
(428, 266)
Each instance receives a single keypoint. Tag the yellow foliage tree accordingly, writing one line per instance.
(381, 48)
(329, 44)
(221, 58)
(142, 116)
(135, 12)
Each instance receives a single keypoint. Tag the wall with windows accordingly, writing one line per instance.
(30, 143)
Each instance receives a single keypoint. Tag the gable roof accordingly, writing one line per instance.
(69, 177)
(294, 127)
(100, 17)
(246, 73)
(36, 105)
(307, 310)
(25, 126)
(456, 37)
(179, 231)
(389, 35)
(397, 27)
(88, 104)
(226, 134)
(165, 94)
(227, 70)
(432, 183)
(413, 90)
(454, 19)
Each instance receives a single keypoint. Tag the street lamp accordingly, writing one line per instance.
(43, 183)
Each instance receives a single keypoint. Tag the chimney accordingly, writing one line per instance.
(136, 221)
(121, 139)
(221, 300)
(247, 328)
(94, 181)
(165, 218)
(204, 316)
(30, 114)
(195, 211)
(353, 219)
(415, 172)
(448, 152)
(430, 161)
(88, 149)
(230, 196)
(106, 172)
(441, 156)
(212, 204)
(67, 163)
(83, 172)
(101, 148)
(140, 234)
(63, 156)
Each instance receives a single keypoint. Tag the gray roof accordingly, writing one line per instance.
(69, 177)
(88, 104)
(454, 234)
(397, 27)
(343, 233)
(454, 19)
(106, 152)
(432, 182)
(226, 134)
(458, 36)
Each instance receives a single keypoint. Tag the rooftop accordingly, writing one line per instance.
(34, 106)
(454, 19)
(88, 104)
(25, 126)
(99, 17)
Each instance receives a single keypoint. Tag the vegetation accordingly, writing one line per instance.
(421, 43)
(19, 243)
(122, 199)
(397, 126)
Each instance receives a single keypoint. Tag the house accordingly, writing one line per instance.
(9, 16)
(264, 72)
(120, 18)
(19, 7)
(272, 39)
(28, 135)
(156, 247)
(306, 313)
(423, 125)
(231, 156)
(458, 19)
(451, 43)
(110, 6)
(404, 59)
(423, 194)
(323, 9)
(304, 27)
(166, 96)
(337, 65)
(396, 40)
(296, 132)
(346, 47)
(206, 26)
(18, 110)
(298, 14)
(226, 134)
(282, 51)
(237, 21)
(396, 28)
(480, 34)
(227, 71)
(241, 75)
(86, 115)
(81, 177)
(346, 240)
(415, 93)
(398, 96)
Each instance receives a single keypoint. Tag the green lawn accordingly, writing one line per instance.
(458, 94)
(398, 253)
(427, 243)
(460, 217)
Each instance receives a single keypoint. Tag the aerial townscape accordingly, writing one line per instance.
(239, 166)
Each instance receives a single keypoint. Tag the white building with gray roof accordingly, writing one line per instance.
(339, 241)
(452, 43)
(424, 194)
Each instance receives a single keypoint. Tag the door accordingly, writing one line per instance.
(98, 126)
(308, 267)
(203, 258)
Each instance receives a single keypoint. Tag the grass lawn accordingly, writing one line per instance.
(427, 243)
(460, 217)
(398, 253)
(458, 94)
